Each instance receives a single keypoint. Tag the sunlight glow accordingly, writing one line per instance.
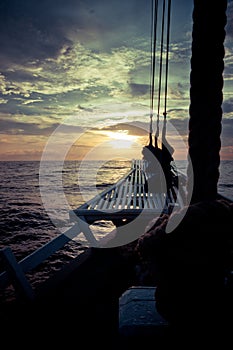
(121, 139)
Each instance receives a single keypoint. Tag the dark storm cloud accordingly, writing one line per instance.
(31, 29)
(139, 89)
(28, 30)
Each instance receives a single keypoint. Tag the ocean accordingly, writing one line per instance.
(35, 202)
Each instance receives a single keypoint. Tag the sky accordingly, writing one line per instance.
(75, 79)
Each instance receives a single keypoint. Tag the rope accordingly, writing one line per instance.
(206, 96)
(154, 12)
(161, 60)
(154, 21)
(167, 54)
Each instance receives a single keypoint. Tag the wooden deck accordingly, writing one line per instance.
(126, 199)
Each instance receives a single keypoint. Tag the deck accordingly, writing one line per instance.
(130, 205)
(129, 197)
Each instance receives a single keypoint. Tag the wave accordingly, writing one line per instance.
(225, 185)
(114, 167)
(104, 185)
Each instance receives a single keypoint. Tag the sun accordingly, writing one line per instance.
(121, 139)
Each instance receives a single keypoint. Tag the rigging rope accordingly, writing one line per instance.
(153, 60)
(153, 63)
(167, 54)
(161, 61)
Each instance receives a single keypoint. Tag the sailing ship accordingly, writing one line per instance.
(92, 283)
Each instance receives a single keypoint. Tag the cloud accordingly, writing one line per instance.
(48, 51)
(90, 61)
(176, 128)
(13, 127)
(3, 101)
(29, 30)
(139, 89)
(28, 102)
(229, 26)
(227, 132)
(228, 107)
(133, 128)
(33, 29)
(181, 125)
(180, 52)
(177, 91)
(74, 69)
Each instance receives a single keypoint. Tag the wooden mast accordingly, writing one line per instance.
(206, 84)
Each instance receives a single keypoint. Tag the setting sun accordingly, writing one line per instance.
(121, 139)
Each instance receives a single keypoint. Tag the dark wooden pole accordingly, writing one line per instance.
(206, 84)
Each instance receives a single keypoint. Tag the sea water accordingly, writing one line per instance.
(35, 200)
